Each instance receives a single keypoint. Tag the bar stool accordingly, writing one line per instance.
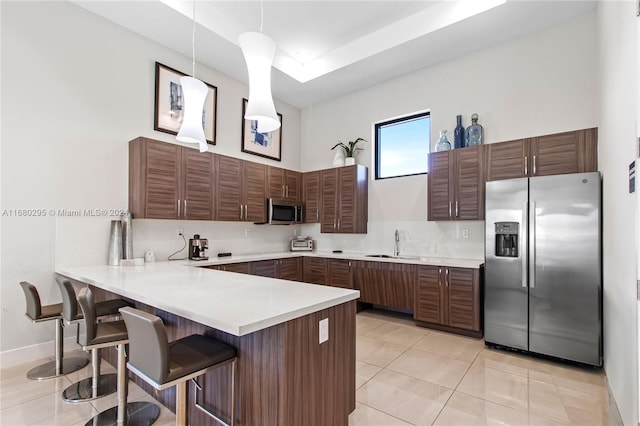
(163, 364)
(38, 313)
(98, 385)
(107, 334)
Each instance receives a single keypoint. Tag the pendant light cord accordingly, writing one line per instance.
(193, 43)
(261, 15)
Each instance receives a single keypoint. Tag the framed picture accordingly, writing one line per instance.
(169, 104)
(268, 145)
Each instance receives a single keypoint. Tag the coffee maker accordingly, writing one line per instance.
(197, 247)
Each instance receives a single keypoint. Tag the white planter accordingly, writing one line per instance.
(349, 161)
(338, 158)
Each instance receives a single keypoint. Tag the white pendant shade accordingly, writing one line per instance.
(258, 51)
(194, 94)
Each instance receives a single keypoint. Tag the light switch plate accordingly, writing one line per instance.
(324, 330)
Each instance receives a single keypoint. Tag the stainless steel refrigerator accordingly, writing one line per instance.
(543, 266)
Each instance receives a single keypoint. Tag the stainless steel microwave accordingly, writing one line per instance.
(283, 212)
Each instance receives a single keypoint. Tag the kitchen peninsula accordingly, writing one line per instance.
(285, 376)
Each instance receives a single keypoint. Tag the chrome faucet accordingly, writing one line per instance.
(396, 245)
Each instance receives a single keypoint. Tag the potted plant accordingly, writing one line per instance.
(350, 149)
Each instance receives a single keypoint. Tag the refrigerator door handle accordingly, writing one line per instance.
(523, 242)
(532, 246)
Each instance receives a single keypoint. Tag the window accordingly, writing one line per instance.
(402, 146)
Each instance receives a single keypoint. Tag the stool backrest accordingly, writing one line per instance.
(148, 343)
(34, 307)
(69, 302)
(88, 306)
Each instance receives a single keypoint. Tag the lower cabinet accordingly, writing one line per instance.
(290, 268)
(384, 283)
(315, 270)
(449, 299)
(340, 273)
(241, 267)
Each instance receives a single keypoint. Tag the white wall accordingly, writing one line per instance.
(75, 89)
(617, 50)
(539, 84)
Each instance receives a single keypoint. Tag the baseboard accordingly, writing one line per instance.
(615, 419)
(30, 353)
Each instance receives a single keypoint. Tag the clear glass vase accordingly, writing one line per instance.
(474, 133)
(443, 143)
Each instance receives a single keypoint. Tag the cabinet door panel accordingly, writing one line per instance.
(385, 284)
(276, 183)
(506, 160)
(428, 295)
(347, 201)
(264, 268)
(463, 302)
(439, 187)
(555, 154)
(198, 184)
(329, 201)
(255, 199)
(312, 198)
(315, 270)
(290, 268)
(163, 176)
(293, 185)
(241, 267)
(469, 200)
(340, 273)
(229, 190)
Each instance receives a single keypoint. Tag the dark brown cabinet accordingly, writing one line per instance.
(312, 196)
(449, 298)
(456, 185)
(285, 184)
(240, 189)
(290, 268)
(559, 153)
(240, 267)
(168, 181)
(385, 283)
(344, 200)
(315, 270)
(339, 273)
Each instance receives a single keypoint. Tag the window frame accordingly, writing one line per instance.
(376, 134)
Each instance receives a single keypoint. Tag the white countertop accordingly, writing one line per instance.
(409, 259)
(237, 304)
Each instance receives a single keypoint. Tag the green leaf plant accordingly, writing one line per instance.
(350, 148)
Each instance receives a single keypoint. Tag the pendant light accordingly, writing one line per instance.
(258, 51)
(194, 95)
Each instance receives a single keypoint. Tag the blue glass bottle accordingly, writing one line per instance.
(473, 135)
(443, 143)
(458, 133)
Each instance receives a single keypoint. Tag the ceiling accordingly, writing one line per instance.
(328, 48)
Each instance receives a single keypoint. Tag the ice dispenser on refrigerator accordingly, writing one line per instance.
(506, 239)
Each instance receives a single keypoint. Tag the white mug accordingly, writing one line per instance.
(149, 256)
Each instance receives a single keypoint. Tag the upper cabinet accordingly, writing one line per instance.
(312, 196)
(240, 190)
(456, 185)
(560, 153)
(168, 181)
(344, 200)
(285, 184)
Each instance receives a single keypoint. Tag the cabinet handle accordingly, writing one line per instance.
(534, 165)
(526, 165)
(286, 191)
(241, 210)
(185, 208)
(246, 211)
(456, 208)
(334, 224)
(317, 215)
(446, 276)
(439, 277)
(283, 191)
(178, 208)
(449, 209)
(338, 224)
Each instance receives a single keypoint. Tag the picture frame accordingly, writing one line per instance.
(267, 145)
(168, 104)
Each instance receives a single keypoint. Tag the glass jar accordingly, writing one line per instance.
(473, 135)
(443, 143)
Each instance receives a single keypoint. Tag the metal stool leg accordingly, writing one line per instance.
(129, 414)
(61, 365)
(96, 386)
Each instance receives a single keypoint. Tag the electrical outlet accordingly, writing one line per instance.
(179, 232)
(465, 234)
(324, 330)
(247, 232)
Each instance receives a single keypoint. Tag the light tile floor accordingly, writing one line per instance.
(405, 375)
